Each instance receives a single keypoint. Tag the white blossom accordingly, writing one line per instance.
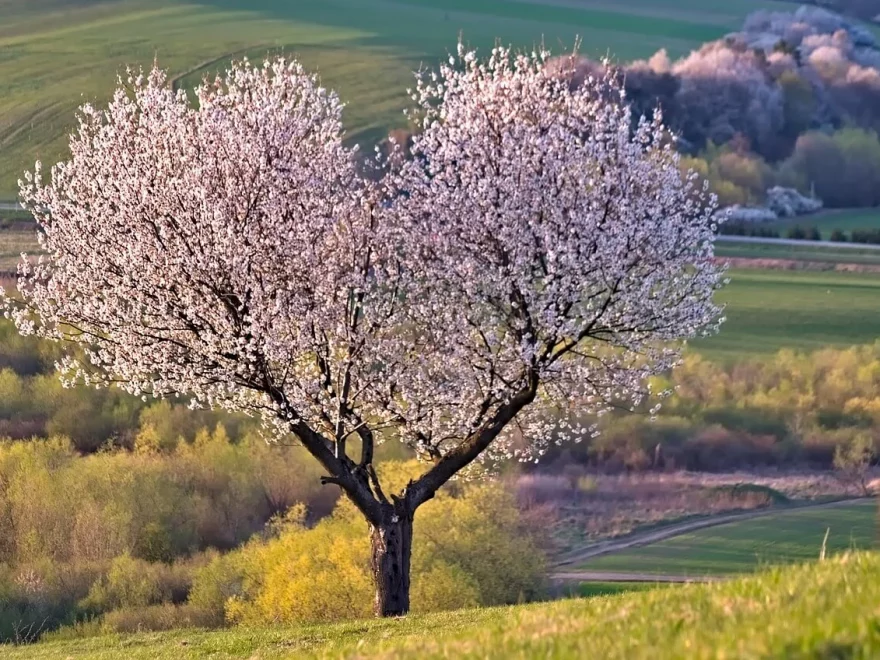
(536, 259)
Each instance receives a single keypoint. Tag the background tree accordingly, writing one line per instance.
(853, 461)
(535, 256)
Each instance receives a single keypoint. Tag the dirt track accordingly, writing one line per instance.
(652, 536)
(606, 576)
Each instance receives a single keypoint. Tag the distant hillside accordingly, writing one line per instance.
(55, 54)
(868, 10)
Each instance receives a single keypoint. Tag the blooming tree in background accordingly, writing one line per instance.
(537, 256)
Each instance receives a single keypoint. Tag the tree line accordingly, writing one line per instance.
(791, 410)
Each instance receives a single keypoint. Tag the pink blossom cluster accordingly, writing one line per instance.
(533, 263)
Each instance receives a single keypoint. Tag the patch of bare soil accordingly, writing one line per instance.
(608, 576)
(795, 264)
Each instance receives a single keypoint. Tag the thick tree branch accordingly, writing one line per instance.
(423, 489)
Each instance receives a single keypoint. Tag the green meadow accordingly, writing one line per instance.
(821, 610)
(768, 310)
(741, 547)
(55, 55)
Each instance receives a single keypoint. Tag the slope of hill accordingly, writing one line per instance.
(826, 610)
(786, 536)
(55, 54)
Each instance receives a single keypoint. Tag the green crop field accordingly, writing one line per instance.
(823, 610)
(785, 537)
(827, 221)
(56, 54)
(772, 309)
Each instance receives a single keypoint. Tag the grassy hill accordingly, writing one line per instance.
(55, 54)
(826, 610)
(740, 547)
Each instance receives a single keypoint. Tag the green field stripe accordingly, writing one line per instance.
(739, 547)
(591, 18)
(768, 310)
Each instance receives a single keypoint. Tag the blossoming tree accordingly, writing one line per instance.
(536, 260)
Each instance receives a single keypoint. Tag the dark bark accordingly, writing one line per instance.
(464, 454)
(391, 549)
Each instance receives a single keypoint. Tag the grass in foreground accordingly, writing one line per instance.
(774, 309)
(827, 610)
(784, 537)
(597, 589)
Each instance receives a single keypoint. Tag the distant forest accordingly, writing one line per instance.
(792, 99)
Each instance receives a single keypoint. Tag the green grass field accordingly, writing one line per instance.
(826, 610)
(773, 309)
(784, 537)
(55, 54)
(828, 221)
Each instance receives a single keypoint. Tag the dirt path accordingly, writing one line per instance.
(606, 576)
(652, 536)
(795, 242)
(798, 265)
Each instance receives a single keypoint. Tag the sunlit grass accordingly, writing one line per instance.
(825, 610)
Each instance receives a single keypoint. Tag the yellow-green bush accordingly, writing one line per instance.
(482, 534)
(60, 505)
(470, 548)
(441, 586)
(114, 531)
(220, 580)
(318, 574)
(133, 583)
(39, 596)
(130, 582)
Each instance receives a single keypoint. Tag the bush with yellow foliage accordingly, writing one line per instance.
(475, 550)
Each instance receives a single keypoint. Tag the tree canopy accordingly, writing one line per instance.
(536, 256)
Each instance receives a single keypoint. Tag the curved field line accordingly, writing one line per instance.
(172, 82)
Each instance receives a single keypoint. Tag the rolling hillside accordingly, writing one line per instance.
(825, 610)
(56, 54)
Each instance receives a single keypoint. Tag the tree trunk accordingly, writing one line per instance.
(390, 557)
